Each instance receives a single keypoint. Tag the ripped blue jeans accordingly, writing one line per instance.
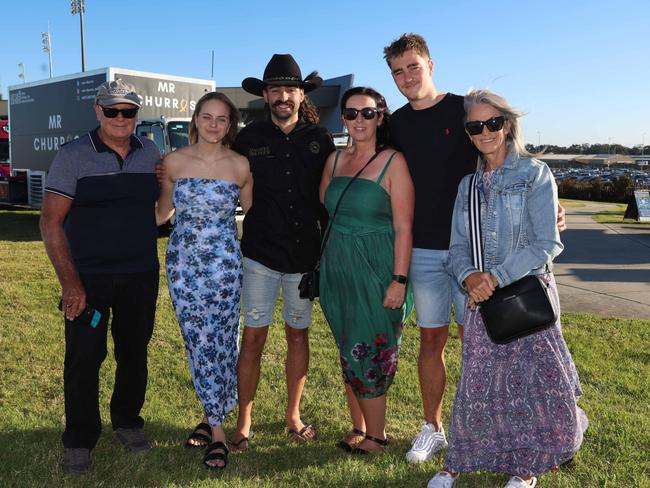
(260, 291)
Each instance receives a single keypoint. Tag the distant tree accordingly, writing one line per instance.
(598, 148)
(623, 186)
(596, 190)
(619, 149)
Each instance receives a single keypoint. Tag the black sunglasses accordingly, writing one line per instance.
(127, 113)
(475, 127)
(367, 113)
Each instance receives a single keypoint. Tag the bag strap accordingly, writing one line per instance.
(475, 237)
(336, 209)
(336, 160)
(383, 171)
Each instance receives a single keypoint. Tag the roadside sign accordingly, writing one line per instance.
(642, 198)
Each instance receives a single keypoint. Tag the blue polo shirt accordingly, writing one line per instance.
(111, 225)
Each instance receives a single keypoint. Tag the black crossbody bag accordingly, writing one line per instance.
(518, 309)
(309, 283)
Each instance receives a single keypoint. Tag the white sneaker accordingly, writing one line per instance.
(517, 482)
(426, 443)
(442, 480)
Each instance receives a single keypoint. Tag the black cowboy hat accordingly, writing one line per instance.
(282, 70)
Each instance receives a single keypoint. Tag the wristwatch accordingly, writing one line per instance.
(400, 279)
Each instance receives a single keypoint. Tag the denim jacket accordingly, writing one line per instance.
(519, 225)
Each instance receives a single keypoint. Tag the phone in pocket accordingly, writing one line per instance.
(89, 316)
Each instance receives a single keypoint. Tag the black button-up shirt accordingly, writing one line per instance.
(282, 230)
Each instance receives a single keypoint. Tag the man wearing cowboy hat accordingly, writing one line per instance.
(282, 231)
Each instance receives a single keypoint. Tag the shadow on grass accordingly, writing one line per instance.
(273, 460)
(18, 225)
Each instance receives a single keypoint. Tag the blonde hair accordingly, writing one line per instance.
(514, 138)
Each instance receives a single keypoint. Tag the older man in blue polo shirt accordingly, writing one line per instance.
(99, 231)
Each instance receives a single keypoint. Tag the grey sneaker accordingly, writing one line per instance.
(426, 443)
(76, 460)
(517, 482)
(133, 439)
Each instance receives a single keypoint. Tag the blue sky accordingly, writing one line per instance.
(580, 69)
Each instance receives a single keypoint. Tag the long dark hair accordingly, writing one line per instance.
(233, 116)
(308, 111)
(383, 135)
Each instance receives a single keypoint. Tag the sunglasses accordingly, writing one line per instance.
(367, 113)
(475, 127)
(127, 113)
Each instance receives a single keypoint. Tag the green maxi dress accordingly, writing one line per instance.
(356, 269)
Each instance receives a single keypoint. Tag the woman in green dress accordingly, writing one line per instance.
(363, 283)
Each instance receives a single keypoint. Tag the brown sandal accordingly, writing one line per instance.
(299, 435)
(241, 445)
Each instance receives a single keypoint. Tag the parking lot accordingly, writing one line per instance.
(640, 177)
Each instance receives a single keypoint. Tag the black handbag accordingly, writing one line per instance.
(309, 283)
(519, 309)
(309, 286)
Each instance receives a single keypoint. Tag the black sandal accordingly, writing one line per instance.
(221, 454)
(346, 446)
(196, 435)
(376, 440)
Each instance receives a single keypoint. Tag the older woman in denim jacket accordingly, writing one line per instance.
(515, 409)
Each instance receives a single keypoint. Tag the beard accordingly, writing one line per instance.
(283, 114)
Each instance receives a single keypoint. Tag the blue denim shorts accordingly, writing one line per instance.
(260, 291)
(435, 288)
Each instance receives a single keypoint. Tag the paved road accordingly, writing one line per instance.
(604, 268)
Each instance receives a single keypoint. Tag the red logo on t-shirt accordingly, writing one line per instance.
(447, 131)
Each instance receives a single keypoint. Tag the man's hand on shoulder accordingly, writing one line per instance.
(561, 218)
(161, 172)
(163, 168)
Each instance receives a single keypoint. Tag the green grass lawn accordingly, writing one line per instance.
(615, 216)
(611, 355)
(605, 216)
(572, 203)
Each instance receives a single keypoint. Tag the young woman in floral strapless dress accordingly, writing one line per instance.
(204, 182)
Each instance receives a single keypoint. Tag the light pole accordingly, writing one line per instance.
(21, 75)
(642, 145)
(47, 46)
(539, 138)
(78, 7)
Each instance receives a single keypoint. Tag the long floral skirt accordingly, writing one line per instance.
(515, 409)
